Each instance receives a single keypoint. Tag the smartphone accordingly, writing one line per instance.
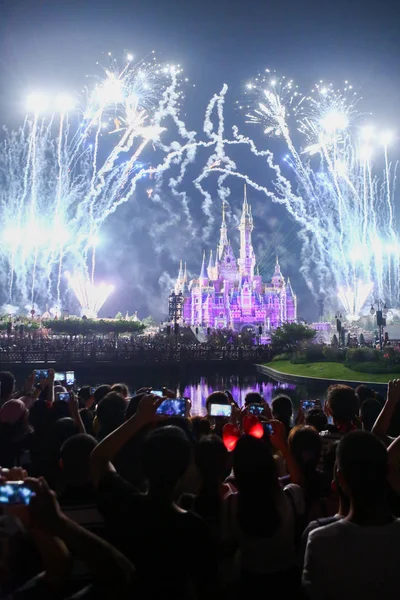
(256, 409)
(173, 407)
(220, 410)
(63, 396)
(41, 374)
(70, 377)
(268, 428)
(308, 404)
(157, 393)
(59, 376)
(92, 390)
(15, 492)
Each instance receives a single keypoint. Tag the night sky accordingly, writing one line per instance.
(53, 44)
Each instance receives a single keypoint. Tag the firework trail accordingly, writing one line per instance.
(66, 170)
(337, 183)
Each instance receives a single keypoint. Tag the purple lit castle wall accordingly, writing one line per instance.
(228, 293)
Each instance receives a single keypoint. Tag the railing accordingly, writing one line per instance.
(136, 356)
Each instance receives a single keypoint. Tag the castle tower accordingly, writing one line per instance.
(291, 303)
(247, 259)
(277, 278)
(223, 237)
(203, 279)
(211, 267)
(179, 281)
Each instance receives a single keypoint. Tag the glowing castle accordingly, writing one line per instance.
(228, 293)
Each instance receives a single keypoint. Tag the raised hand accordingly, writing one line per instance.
(393, 391)
(147, 409)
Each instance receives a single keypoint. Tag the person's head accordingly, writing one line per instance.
(100, 392)
(84, 394)
(216, 398)
(362, 467)
(305, 446)
(253, 398)
(7, 385)
(282, 409)
(59, 410)
(369, 412)
(212, 460)
(342, 404)
(120, 388)
(74, 458)
(316, 418)
(166, 456)
(13, 418)
(258, 485)
(200, 427)
(364, 393)
(111, 412)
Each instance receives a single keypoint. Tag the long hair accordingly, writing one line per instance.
(211, 458)
(258, 486)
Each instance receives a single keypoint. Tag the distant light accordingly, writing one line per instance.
(365, 152)
(64, 103)
(386, 137)
(367, 133)
(93, 240)
(129, 57)
(111, 91)
(37, 103)
(335, 121)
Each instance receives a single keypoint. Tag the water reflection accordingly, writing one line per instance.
(239, 387)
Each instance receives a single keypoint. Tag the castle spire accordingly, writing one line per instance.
(185, 274)
(223, 238)
(203, 274)
(180, 273)
(211, 261)
(247, 260)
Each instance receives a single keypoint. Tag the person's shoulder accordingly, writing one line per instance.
(330, 530)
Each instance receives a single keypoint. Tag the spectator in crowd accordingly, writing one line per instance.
(364, 393)
(338, 507)
(305, 445)
(317, 419)
(110, 413)
(261, 521)
(120, 388)
(7, 385)
(253, 398)
(282, 410)
(152, 524)
(342, 406)
(369, 412)
(14, 430)
(212, 462)
(356, 557)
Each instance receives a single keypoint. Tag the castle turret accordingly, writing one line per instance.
(247, 258)
(223, 236)
(185, 287)
(179, 281)
(203, 279)
(277, 278)
(211, 267)
(291, 303)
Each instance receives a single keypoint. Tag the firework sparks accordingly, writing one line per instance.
(341, 200)
(69, 167)
(91, 297)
